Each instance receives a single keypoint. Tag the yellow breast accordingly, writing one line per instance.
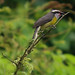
(52, 22)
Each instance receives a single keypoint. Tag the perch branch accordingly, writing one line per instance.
(33, 44)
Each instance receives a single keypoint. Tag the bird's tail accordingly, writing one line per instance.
(36, 33)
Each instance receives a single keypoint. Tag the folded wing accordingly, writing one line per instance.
(43, 20)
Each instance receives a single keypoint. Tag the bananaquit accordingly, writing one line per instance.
(46, 21)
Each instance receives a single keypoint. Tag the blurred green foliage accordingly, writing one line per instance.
(53, 55)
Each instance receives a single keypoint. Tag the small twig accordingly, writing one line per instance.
(32, 45)
(8, 59)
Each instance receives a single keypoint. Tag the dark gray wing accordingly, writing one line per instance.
(43, 20)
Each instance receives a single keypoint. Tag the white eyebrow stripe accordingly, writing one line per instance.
(55, 10)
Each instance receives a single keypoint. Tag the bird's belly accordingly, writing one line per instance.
(52, 22)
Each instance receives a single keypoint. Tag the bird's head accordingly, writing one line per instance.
(57, 13)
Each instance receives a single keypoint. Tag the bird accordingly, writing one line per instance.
(47, 20)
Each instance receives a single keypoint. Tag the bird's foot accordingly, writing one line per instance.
(53, 26)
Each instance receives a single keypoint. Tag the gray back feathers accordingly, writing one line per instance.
(43, 20)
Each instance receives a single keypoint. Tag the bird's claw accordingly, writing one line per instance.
(53, 26)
